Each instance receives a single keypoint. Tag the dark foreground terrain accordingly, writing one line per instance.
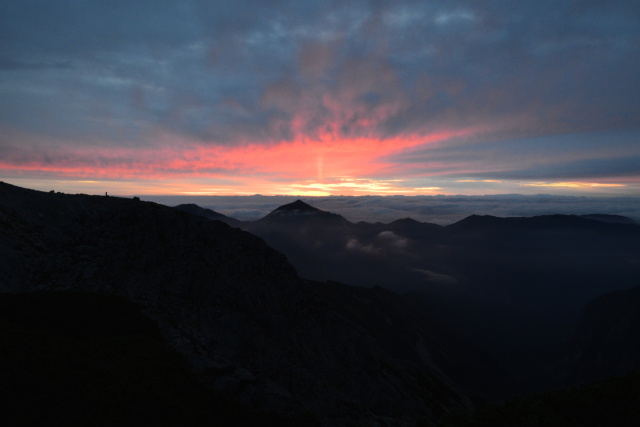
(117, 311)
(72, 358)
(248, 326)
(520, 290)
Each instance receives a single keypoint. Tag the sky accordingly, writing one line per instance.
(321, 97)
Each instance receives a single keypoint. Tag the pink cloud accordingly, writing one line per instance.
(331, 98)
(323, 158)
(327, 121)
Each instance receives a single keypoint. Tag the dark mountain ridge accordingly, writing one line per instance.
(484, 301)
(610, 218)
(513, 286)
(594, 221)
(208, 213)
(249, 326)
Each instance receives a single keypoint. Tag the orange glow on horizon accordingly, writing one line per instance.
(571, 184)
(327, 165)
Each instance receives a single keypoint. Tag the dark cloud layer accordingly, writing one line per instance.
(119, 73)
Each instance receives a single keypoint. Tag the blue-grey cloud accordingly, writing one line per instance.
(580, 169)
(582, 155)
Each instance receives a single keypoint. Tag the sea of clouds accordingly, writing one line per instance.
(439, 209)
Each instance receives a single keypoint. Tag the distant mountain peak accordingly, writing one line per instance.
(300, 211)
(298, 205)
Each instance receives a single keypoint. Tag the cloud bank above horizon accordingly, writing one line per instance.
(321, 97)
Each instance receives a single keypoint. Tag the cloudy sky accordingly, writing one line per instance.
(320, 97)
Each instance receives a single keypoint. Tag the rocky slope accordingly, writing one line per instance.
(235, 307)
(607, 340)
(87, 359)
(514, 287)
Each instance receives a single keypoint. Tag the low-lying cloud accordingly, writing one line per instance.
(434, 209)
(392, 239)
(437, 278)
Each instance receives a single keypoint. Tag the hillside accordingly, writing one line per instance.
(76, 358)
(513, 287)
(235, 308)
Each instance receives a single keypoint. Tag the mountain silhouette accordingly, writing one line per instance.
(249, 327)
(486, 307)
(208, 213)
(609, 218)
(297, 207)
(300, 213)
(511, 286)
